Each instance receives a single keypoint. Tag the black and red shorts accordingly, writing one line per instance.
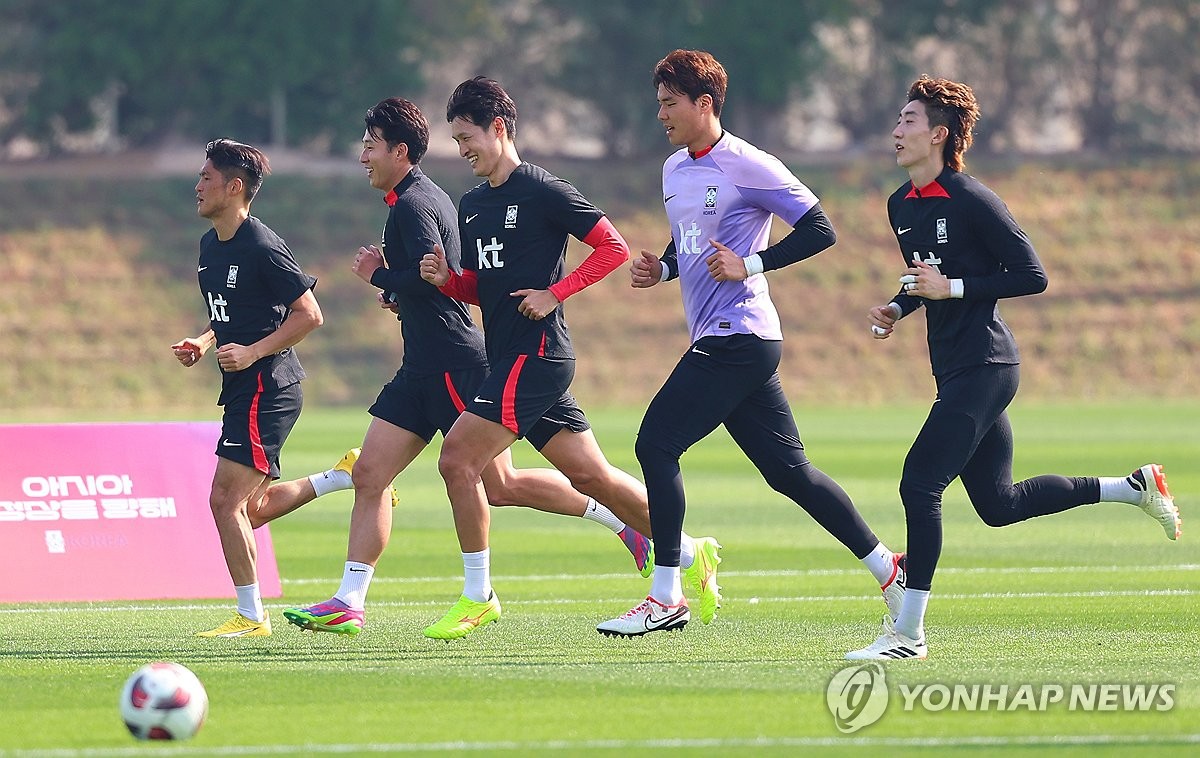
(427, 403)
(256, 423)
(528, 395)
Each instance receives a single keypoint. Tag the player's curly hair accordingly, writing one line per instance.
(952, 105)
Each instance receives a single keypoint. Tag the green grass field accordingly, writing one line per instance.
(1094, 596)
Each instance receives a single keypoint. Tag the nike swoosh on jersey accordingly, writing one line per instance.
(227, 443)
(481, 400)
(901, 230)
(201, 268)
(667, 199)
(469, 218)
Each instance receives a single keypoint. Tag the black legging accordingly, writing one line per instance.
(733, 381)
(967, 435)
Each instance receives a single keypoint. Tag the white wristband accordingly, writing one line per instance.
(956, 288)
(754, 264)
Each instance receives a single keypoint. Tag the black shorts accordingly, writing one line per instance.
(256, 423)
(527, 394)
(426, 404)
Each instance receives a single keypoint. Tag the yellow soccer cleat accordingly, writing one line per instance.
(348, 460)
(702, 575)
(240, 626)
(347, 464)
(466, 616)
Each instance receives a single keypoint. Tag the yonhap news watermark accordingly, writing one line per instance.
(859, 696)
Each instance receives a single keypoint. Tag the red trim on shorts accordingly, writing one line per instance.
(256, 447)
(459, 405)
(508, 403)
(542, 347)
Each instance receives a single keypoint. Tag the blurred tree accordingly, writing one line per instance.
(16, 71)
(772, 54)
(1009, 55)
(1167, 114)
(256, 69)
(1051, 74)
(1101, 39)
(767, 47)
(877, 51)
(608, 67)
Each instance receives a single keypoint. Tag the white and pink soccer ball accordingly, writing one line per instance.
(163, 701)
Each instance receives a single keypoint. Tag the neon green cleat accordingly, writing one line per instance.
(702, 575)
(347, 464)
(240, 626)
(466, 616)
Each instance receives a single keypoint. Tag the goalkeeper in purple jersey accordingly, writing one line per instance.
(720, 193)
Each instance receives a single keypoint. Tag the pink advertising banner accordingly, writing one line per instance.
(94, 512)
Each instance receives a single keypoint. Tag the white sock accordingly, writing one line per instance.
(912, 614)
(880, 563)
(356, 579)
(249, 602)
(602, 515)
(687, 552)
(1118, 489)
(477, 571)
(665, 587)
(331, 481)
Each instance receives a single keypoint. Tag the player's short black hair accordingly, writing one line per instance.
(234, 159)
(480, 100)
(397, 120)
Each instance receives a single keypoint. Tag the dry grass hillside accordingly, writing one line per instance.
(96, 282)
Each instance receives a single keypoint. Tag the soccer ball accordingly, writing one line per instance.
(163, 701)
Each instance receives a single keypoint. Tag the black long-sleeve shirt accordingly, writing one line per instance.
(963, 229)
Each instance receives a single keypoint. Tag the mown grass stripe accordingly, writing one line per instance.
(1081, 740)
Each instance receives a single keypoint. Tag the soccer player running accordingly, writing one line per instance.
(964, 251)
(720, 193)
(514, 228)
(443, 364)
(260, 304)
